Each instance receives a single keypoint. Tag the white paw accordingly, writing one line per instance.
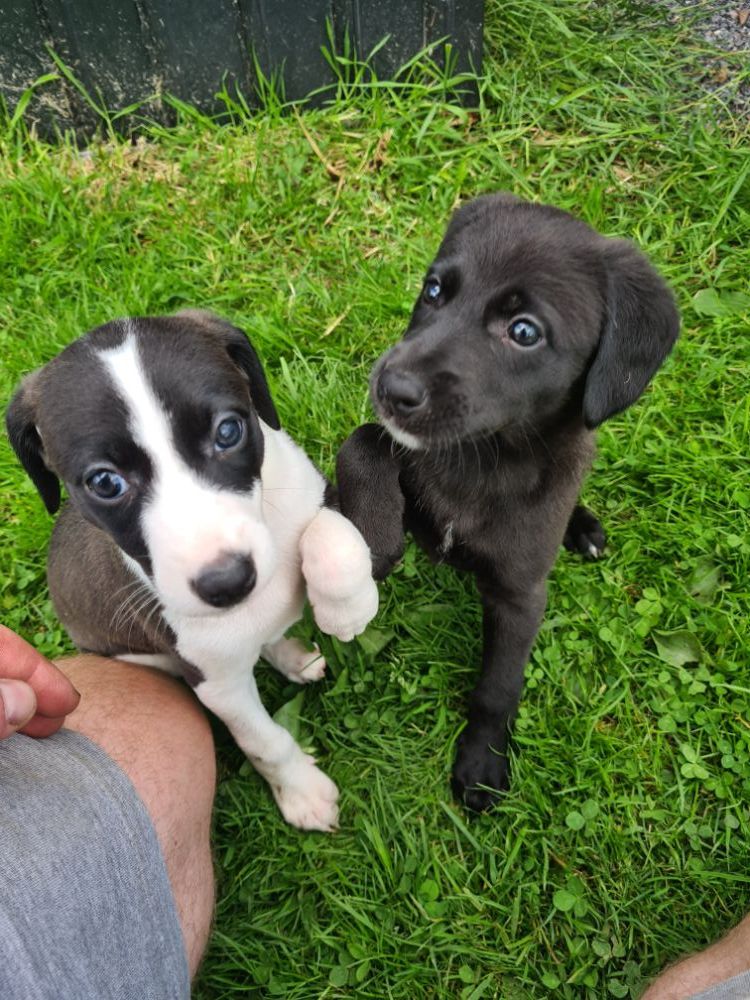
(337, 568)
(314, 667)
(348, 617)
(307, 797)
(295, 661)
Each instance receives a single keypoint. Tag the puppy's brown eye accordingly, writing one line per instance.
(524, 332)
(432, 289)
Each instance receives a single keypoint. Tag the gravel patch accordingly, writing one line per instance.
(725, 26)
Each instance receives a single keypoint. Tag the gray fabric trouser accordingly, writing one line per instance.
(736, 988)
(86, 909)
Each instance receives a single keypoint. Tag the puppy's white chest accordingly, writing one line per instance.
(292, 494)
(447, 541)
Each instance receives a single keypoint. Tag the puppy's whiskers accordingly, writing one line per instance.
(120, 615)
(161, 625)
(153, 600)
(126, 586)
(129, 610)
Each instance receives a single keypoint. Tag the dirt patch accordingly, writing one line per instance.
(725, 26)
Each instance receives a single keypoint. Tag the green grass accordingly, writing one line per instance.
(625, 839)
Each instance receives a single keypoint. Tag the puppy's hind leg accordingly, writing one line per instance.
(585, 534)
(292, 659)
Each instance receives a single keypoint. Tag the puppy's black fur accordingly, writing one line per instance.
(531, 330)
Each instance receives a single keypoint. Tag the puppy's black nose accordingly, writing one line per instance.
(226, 581)
(403, 392)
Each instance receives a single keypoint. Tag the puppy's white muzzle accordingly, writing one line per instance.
(210, 549)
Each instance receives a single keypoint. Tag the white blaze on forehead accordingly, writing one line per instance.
(187, 522)
(148, 422)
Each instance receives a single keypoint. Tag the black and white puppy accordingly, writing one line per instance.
(194, 525)
(530, 330)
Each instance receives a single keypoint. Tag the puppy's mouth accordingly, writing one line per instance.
(442, 437)
(404, 438)
(418, 416)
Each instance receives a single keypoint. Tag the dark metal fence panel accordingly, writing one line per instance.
(122, 51)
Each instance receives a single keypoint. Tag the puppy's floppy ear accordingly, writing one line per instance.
(20, 421)
(640, 326)
(242, 352)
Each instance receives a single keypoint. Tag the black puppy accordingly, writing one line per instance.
(531, 329)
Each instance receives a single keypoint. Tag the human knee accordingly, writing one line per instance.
(152, 725)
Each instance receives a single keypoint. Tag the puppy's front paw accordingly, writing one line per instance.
(337, 568)
(477, 764)
(307, 797)
(345, 618)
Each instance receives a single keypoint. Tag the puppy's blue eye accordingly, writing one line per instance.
(524, 332)
(229, 433)
(432, 289)
(106, 484)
